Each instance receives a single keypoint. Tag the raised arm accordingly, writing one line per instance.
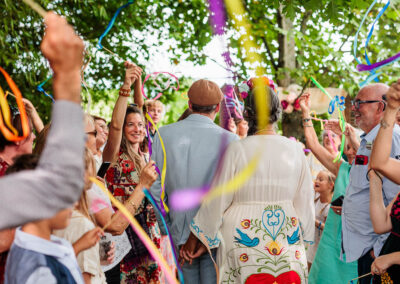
(57, 182)
(33, 115)
(322, 154)
(380, 155)
(138, 96)
(111, 149)
(380, 215)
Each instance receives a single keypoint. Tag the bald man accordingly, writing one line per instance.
(359, 239)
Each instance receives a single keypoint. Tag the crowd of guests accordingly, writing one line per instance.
(299, 217)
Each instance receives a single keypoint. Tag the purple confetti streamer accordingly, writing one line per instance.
(365, 67)
(217, 16)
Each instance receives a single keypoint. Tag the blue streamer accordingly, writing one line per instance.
(111, 23)
(154, 203)
(369, 38)
(369, 79)
(336, 102)
(40, 88)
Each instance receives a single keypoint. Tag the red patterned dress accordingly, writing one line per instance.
(3, 256)
(137, 266)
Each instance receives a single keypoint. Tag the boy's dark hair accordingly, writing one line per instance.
(23, 162)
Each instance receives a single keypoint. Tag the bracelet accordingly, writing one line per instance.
(375, 173)
(125, 92)
(307, 119)
(319, 225)
(134, 206)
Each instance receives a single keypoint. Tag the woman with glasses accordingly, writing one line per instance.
(327, 258)
(126, 178)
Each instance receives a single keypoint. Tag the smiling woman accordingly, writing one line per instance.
(126, 178)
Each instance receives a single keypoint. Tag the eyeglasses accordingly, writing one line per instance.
(94, 132)
(357, 103)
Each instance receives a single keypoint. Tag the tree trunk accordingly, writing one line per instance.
(291, 123)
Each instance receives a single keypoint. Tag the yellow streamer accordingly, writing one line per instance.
(236, 182)
(237, 13)
(5, 109)
(140, 232)
(164, 169)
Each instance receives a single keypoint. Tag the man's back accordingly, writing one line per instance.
(192, 147)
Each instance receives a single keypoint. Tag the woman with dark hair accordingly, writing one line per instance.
(126, 178)
(259, 229)
(9, 150)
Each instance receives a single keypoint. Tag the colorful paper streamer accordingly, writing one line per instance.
(154, 203)
(111, 23)
(154, 75)
(336, 102)
(40, 88)
(5, 108)
(163, 206)
(186, 199)
(237, 14)
(342, 121)
(140, 233)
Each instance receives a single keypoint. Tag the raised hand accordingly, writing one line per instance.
(132, 73)
(393, 95)
(64, 51)
(148, 175)
(232, 125)
(304, 102)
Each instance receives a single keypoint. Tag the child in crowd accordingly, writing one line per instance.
(82, 222)
(323, 186)
(156, 110)
(36, 255)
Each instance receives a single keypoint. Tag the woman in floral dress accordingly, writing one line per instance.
(260, 229)
(123, 178)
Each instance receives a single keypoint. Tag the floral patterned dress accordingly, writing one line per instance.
(392, 244)
(260, 229)
(137, 266)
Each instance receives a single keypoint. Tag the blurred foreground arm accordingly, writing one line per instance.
(57, 182)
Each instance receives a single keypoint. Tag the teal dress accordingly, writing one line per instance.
(327, 266)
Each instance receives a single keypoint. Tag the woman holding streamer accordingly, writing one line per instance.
(124, 179)
(261, 228)
(327, 259)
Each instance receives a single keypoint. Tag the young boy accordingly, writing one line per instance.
(36, 256)
(156, 110)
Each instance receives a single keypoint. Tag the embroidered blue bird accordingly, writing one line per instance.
(245, 240)
(294, 238)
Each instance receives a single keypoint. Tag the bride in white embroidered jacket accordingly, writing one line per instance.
(261, 228)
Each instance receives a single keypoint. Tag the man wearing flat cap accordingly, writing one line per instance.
(192, 148)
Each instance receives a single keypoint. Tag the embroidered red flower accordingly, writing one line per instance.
(294, 221)
(243, 257)
(119, 192)
(127, 166)
(245, 223)
(297, 254)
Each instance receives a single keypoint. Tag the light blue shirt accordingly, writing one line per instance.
(192, 147)
(357, 231)
(56, 247)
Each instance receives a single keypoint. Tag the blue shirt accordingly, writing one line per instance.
(31, 268)
(192, 146)
(357, 231)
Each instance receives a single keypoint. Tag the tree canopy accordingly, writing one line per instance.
(322, 33)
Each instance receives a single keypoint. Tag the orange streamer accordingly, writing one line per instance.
(5, 109)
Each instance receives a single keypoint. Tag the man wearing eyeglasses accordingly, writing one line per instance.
(360, 242)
